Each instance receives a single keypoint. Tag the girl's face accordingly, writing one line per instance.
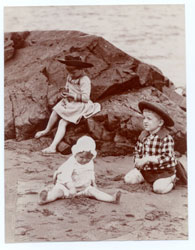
(83, 157)
(152, 121)
(74, 72)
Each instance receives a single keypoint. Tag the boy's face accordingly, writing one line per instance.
(83, 157)
(151, 121)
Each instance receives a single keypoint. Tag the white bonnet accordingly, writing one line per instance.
(84, 143)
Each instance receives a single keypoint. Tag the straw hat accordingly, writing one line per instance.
(75, 61)
(159, 109)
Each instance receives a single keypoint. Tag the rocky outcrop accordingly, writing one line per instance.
(12, 42)
(34, 77)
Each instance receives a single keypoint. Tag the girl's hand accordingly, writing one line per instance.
(64, 93)
(69, 96)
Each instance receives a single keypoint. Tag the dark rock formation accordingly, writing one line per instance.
(34, 77)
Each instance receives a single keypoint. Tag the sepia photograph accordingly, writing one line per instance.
(95, 122)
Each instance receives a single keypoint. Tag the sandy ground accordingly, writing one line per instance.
(141, 214)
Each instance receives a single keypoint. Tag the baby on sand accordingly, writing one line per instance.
(76, 176)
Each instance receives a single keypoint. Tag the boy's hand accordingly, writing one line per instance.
(139, 163)
(153, 159)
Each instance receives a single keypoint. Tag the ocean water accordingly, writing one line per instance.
(154, 34)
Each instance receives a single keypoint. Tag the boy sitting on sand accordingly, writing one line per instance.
(155, 160)
(76, 176)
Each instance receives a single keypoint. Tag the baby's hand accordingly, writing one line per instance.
(72, 191)
(71, 188)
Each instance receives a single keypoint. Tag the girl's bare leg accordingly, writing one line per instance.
(101, 196)
(58, 137)
(52, 120)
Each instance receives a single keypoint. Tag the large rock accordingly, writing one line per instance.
(33, 78)
(29, 102)
(9, 115)
(117, 126)
(12, 42)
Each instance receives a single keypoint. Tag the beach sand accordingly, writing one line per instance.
(141, 214)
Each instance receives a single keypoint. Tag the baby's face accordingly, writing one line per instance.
(83, 157)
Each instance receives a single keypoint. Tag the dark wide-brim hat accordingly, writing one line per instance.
(75, 61)
(159, 109)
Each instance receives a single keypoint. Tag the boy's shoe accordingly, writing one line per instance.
(181, 173)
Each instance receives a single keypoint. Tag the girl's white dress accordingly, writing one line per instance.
(73, 111)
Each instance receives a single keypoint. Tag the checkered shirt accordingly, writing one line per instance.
(155, 145)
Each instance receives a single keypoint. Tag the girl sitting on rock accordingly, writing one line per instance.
(75, 102)
(76, 177)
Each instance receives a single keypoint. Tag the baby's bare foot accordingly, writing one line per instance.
(43, 197)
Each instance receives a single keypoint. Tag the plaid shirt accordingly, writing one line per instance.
(160, 144)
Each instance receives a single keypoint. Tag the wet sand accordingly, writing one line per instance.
(141, 214)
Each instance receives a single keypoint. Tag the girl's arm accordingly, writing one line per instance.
(84, 95)
(85, 86)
